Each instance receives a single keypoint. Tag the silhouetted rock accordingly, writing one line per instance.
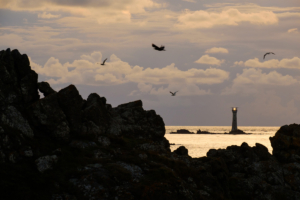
(47, 116)
(45, 88)
(94, 111)
(71, 102)
(65, 147)
(203, 132)
(131, 119)
(182, 131)
(182, 151)
(286, 143)
(237, 132)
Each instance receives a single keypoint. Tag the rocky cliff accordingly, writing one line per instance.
(63, 147)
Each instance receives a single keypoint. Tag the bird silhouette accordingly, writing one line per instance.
(268, 53)
(173, 93)
(103, 61)
(161, 48)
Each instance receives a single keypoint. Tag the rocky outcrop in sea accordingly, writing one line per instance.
(63, 147)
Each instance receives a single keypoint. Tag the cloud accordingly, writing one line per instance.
(86, 71)
(192, 1)
(45, 15)
(189, 89)
(252, 80)
(293, 30)
(206, 59)
(229, 17)
(292, 63)
(216, 50)
(82, 7)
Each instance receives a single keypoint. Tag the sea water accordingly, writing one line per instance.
(199, 144)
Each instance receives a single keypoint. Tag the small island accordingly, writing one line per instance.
(238, 132)
(232, 132)
(182, 131)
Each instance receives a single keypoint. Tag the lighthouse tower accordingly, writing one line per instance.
(234, 120)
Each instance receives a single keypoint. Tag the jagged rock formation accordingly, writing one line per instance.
(65, 147)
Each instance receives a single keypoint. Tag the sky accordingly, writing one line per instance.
(213, 58)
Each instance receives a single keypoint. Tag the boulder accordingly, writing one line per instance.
(45, 162)
(70, 102)
(182, 151)
(132, 120)
(45, 88)
(286, 143)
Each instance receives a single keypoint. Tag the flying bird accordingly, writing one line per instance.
(173, 93)
(161, 48)
(104, 61)
(268, 53)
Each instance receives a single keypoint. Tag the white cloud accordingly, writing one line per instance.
(293, 63)
(252, 80)
(86, 71)
(229, 17)
(216, 50)
(293, 30)
(45, 15)
(206, 59)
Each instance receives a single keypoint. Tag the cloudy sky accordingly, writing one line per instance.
(214, 54)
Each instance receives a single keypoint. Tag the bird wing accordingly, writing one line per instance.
(272, 53)
(265, 55)
(153, 45)
(104, 60)
(171, 92)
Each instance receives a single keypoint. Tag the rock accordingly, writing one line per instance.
(26, 78)
(104, 141)
(71, 103)
(45, 88)
(64, 196)
(182, 131)
(237, 132)
(45, 163)
(135, 171)
(286, 143)
(131, 119)
(12, 118)
(143, 156)
(203, 132)
(12, 157)
(182, 151)
(95, 110)
(82, 144)
(47, 116)
(2, 156)
(121, 152)
(26, 151)
(91, 129)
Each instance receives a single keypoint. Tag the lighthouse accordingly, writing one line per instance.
(234, 120)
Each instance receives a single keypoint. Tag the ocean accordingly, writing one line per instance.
(199, 144)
